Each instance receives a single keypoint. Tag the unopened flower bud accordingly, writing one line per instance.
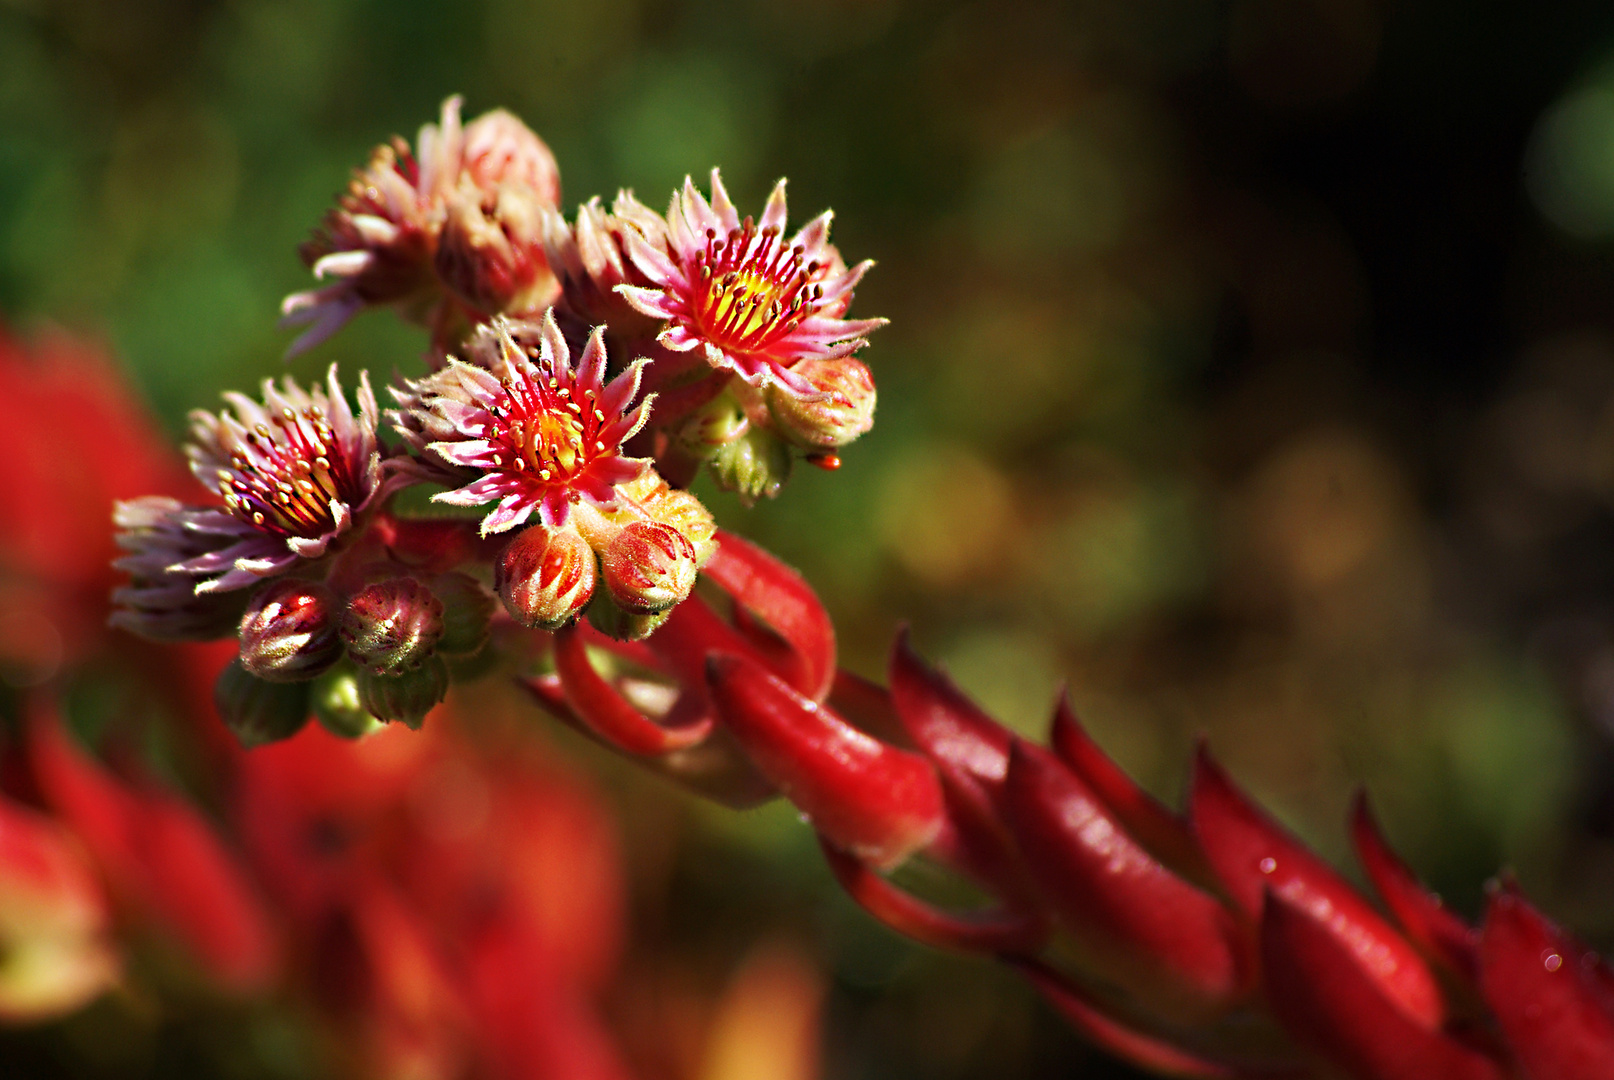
(491, 252)
(288, 633)
(408, 697)
(832, 421)
(545, 577)
(466, 610)
(392, 626)
(337, 704)
(714, 425)
(687, 514)
(755, 464)
(649, 567)
(259, 712)
(609, 619)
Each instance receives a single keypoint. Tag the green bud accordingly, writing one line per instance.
(259, 712)
(337, 704)
(612, 621)
(755, 464)
(713, 426)
(467, 607)
(406, 697)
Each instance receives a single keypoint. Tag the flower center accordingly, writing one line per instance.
(548, 428)
(753, 288)
(284, 479)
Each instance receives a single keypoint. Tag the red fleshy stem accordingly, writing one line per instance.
(599, 706)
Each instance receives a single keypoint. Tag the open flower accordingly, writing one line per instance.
(294, 474)
(381, 240)
(544, 435)
(755, 303)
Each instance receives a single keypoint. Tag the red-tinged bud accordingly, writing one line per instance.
(406, 697)
(1431, 925)
(1169, 943)
(845, 412)
(467, 607)
(1550, 994)
(545, 576)
(338, 705)
(1252, 856)
(491, 252)
(289, 631)
(874, 800)
(1319, 990)
(648, 567)
(754, 465)
(259, 712)
(392, 626)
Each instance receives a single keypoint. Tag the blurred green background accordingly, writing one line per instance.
(1251, 369)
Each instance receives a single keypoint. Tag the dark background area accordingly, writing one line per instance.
(1251, 368)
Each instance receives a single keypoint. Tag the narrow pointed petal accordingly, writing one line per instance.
(1429, 923)
(1164, 833)
(1544, 988)
(1167, 941)
(1253, 857)
(599, 705)
(1320, 992)
(878, 802)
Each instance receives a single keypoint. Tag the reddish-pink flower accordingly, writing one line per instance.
(754, 302)
(542, 433)
(295, 473)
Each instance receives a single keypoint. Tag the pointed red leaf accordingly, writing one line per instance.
(942, 721)
(783, 600)
(1428, 922)
(1546, 993)
(598, 704)
(993, 931)
(1156, 827)
(1138, 1048)
(1163, 939)
(1319, 991)
(1252, 854)
(875, 800)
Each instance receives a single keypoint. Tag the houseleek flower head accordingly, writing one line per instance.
(294, 473)
(379, 244)
(160, 602)
(530, 431)
(753, 301)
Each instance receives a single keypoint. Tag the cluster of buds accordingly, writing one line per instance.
(1208, 943)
